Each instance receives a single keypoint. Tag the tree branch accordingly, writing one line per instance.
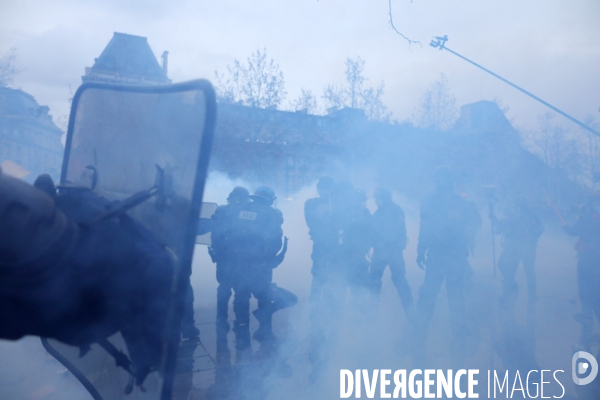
(391, 21)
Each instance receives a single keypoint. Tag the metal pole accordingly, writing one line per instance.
(440, 42)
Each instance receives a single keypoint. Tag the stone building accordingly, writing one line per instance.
(28, 137)
(128, 59)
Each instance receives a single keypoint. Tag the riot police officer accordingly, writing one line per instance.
(520, 230)
(318, 216)
(220, 250)
(256, 237)
(447, 221)
(349, 240)
(389, 242)
(352, 222)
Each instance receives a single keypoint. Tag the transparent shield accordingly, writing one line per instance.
(144, 149)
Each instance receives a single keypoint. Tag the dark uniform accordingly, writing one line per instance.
(587, 228)
(349, 240)
(353, 223)
(256, 237)
(521, 230)
(318, 216)
(447, 223)
(221, 250)
(389, 242)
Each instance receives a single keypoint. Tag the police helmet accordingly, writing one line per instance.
(265, 194)
(238, 194)
(325, 185)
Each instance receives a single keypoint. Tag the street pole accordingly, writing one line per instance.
(439, 42)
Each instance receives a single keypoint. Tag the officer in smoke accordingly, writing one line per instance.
(353, 223)
(221, 248)
(256, 237)
(389, 242)
(447, 223)
(587, 229)
(341, 229)
(318, 213)
(318, 216)
(520, 230)
(344, 236)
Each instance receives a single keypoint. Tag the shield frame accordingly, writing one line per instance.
(185, 263)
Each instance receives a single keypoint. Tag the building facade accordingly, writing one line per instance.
(129, 60)
(28, 137)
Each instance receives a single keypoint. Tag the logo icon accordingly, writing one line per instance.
(581, 368)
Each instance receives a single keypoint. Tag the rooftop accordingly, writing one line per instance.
(126, 59)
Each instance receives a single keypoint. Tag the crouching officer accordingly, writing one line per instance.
(280, 298)
(256, 238)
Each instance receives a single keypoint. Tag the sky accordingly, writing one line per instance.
(549, 47)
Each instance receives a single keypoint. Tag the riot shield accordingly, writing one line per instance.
(144, 152)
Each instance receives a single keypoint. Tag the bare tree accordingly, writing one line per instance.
(334, 97)
(257, 83)
(7, 68)
(590, 149)
(306, 102)
(556, 146)
(575, 152)
(437, 109)
(354, 95)
(373, 105)
(354, 81)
